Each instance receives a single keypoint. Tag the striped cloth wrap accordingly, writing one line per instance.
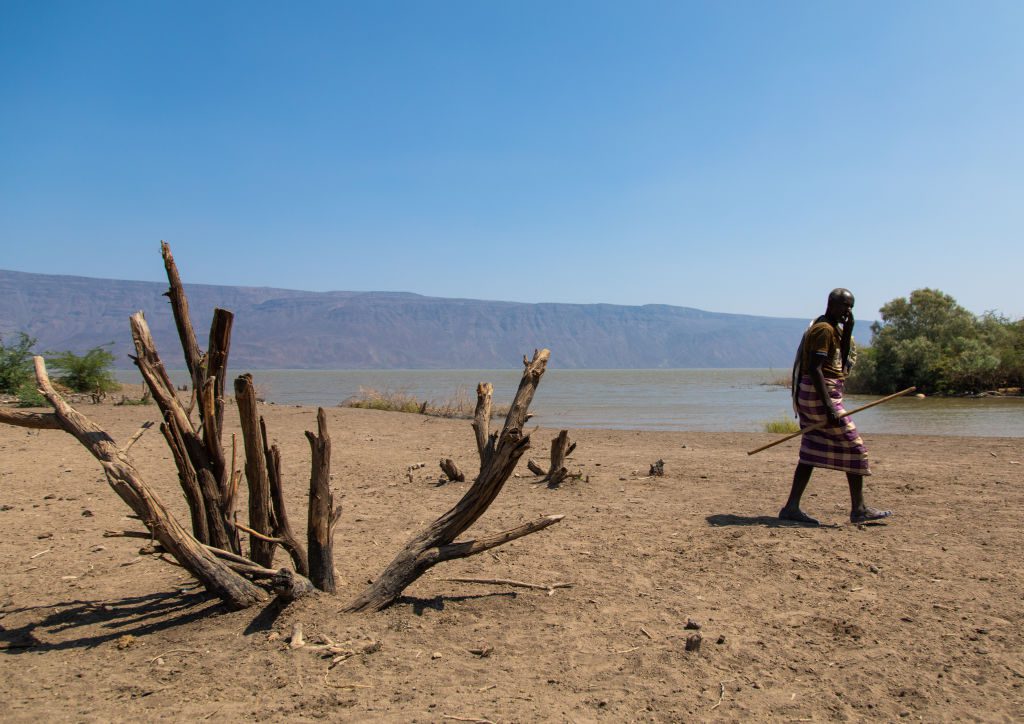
(837, 447)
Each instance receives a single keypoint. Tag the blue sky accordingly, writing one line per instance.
(732, 156)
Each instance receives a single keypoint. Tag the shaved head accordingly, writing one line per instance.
(840, 295)
(840, 305)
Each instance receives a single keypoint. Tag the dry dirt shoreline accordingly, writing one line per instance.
(919, 618)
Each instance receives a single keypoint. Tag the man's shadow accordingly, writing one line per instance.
(721, 520)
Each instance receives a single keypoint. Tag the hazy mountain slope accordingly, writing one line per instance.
(277, 328)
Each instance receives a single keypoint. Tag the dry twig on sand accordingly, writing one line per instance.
(506, 582)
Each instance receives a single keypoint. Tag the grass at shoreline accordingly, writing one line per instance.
(461, 405)
(782, 426)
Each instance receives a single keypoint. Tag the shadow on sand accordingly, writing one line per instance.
(113, 618)
(437, 603)
(720, 520)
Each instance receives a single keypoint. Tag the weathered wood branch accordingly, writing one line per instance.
(217, 366)
(482, 416)
(279, 514)
(261, 551)
(126, 481)
(182, 320)
(535, 468)
(437, 541)
(465, 549)
(189, 483)
(154, 374)
(450, 469)
(34, 420)
(322, 516)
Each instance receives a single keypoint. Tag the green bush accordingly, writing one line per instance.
(90, 372)
(16, 364)
(29, 395)
(931, 342)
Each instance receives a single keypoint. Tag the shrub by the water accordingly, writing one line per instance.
(370, 398)
(782, 426)
(931, 342)
(461, 405)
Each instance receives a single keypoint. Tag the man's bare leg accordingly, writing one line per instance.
(860, 512)
(791, 511)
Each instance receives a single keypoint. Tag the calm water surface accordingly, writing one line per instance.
(706, 400)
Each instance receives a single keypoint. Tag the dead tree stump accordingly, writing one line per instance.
(561, 448)
(450, 469)
(322, 514)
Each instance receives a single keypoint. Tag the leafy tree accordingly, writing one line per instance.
(16, 364)
(90, 372)
(933, 343)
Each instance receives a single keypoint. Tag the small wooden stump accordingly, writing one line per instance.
(449, 468)
(561, 448)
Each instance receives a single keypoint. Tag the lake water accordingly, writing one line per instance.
(711, 400)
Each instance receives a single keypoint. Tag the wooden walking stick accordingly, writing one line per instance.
(819, 425)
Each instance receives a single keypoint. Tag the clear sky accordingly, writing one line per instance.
(728, 155)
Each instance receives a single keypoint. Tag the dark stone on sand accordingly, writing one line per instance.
(693, 642)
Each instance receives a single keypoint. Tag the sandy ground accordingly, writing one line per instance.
(919, 618)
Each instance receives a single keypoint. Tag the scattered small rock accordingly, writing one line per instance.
(721, 639)
(873, 568)
(87, 514)
(692, 625)
(693, 642)
(125, 641)
(436, 655)
(657, 469)
(44, 536)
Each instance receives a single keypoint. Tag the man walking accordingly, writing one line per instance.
(819, 372)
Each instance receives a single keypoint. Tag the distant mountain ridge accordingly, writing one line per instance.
(288, 329)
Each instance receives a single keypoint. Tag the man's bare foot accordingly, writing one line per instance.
(795, 515)
(866, 515)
